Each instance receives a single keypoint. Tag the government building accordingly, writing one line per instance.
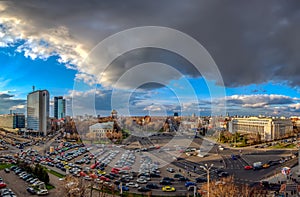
(268, 128)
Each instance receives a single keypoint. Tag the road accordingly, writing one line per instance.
(42, 148)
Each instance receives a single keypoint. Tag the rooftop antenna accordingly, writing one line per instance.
(33, 88)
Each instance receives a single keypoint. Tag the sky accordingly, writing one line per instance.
(250, 56)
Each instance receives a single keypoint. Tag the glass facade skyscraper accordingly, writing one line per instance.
(59, 107)
(38, 111)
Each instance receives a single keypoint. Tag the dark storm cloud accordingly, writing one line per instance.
(8, 102)
(251, 41)
(5, 96)
(136, 57)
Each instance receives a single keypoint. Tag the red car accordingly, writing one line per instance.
(115, 171)
(126, 168)
(82, 174)
(2, 185)
(248, 167)
(93, 166)
(103, 178)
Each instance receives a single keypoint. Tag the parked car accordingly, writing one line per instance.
(266, 165)
(223, 174)
(7, 170)
(31, 190)
(165, 182)
(168, 179)
(88, 178)
(33, 180)
(201, 180)
(131, 184)
(124, 188)
(168, 189)
(248, 167)
(188, 184)
(2, 185)
(42, 192)
(177, 176)
(183, 179)
(152, 186)
(171, 170)
(13, 168)
(142, 181)
(144, 189)
(233, 157)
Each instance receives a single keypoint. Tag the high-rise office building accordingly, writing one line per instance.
(12, 121)
(38, 111)
(59, 107)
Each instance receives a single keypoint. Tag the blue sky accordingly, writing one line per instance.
(51, 49)
(22, 73)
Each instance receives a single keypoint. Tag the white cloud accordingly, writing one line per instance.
(295, 106)
(154, 108)
(255, 105)
(17, 107)
(39, 42)
(86, 78)
(259, 100)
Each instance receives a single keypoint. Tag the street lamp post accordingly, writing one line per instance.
(207, 169)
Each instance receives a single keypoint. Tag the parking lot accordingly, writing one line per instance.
(162, 169)
(18, 185)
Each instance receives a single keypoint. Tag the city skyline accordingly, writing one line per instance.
(257, 58)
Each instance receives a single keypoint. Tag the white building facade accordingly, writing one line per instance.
(268, 128)
(100, 130)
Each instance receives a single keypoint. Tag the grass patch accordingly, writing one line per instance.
(5, 165)
(59, 175)
(280, 146)
(49, 186)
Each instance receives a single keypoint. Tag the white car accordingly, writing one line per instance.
(142, 181)
(132, 184)
(88, 178)
(33, 181)
(37, 183)
(145, 177)
(42, 192)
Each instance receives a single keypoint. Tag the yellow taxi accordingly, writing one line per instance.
(168, 189)
(101, 172)
(266, 165)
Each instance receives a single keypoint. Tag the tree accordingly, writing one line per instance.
(35, 170)
(227, 188)
(41, 173)
(222, 137)
(45, 176)
(75, 187)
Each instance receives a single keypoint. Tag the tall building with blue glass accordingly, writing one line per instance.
(59, 107)
(38, 111)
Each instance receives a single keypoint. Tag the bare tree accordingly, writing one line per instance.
(74, 187)
(227, 188)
